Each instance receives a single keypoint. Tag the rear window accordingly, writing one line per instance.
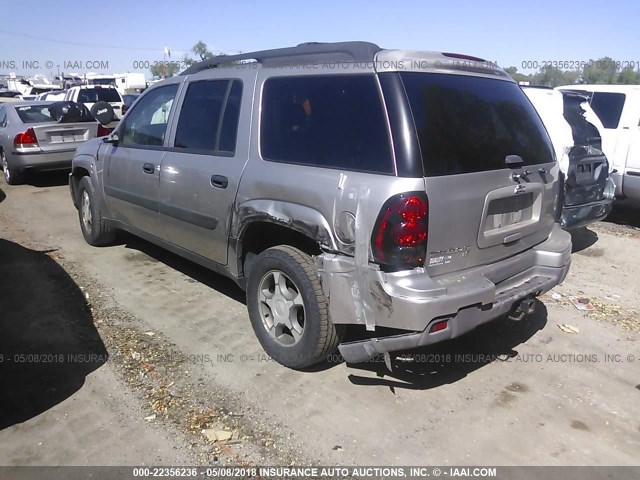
(93, 95)
(34, 114)
(470, 124)
(334, 121)
(608, 107)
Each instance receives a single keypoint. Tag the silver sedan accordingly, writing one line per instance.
(31, 138)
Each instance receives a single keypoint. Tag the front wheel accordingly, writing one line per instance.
(289, 311)
(95, 229)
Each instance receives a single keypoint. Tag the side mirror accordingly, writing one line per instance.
(113, 138)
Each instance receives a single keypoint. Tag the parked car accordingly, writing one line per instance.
(618, 107)
(410, 195)
(41, 136)
(103, 101)
(129, 99)
(53, 96)
(575, 132)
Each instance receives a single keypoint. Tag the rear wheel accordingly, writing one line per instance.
(12, 175)
(95, 229)
(288, 309)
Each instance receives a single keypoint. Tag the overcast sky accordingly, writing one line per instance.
(127, 34)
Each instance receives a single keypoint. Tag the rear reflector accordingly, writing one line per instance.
(438, 326)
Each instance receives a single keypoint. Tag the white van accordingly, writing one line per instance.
(618, 107)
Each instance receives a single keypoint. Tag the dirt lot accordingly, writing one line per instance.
(126, 355)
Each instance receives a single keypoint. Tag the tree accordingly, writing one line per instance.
(517, 77)
(603, 70)
(170, 69)
(549, 76)
(628, 76)
(200, 49)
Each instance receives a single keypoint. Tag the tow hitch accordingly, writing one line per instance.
(526, 307)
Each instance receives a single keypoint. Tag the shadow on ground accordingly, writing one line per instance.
(54, 178)
(451, 361)
(222, 284)
(47, 337)
(625, 213)
(2, 195)
(582, 238)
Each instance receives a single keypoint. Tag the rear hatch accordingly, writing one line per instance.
(490, 171)
(588, 167)
(96, 93)
(52, 135)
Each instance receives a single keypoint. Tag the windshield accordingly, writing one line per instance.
(470, 124)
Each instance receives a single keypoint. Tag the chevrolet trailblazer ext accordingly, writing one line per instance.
(413, 195)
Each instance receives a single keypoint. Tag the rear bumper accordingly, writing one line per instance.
(465, 299)
(576, 216)
(43, 160)
(581, 215)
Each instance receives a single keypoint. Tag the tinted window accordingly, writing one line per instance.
(3, 117)
(326, 121)
(208, 120)
(608, 107)
(93, 95)
(34, 113)
(469, 124)
(146, 124)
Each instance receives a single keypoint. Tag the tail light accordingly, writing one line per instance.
(26, 139)
(103, 131)
(399, 237)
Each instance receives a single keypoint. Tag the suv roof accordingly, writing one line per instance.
(375, 57)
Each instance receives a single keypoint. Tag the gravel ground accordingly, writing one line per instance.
(179, 377)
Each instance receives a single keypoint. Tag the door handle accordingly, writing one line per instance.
(148, 168)
(219, 181)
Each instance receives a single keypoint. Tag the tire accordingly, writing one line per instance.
(290, 268)
(95, 229)
(12, 175)
(102, 112)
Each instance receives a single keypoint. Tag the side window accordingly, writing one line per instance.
(608, 106)
(3, 117)
(146, 124)
(335, 121)
(209, 115)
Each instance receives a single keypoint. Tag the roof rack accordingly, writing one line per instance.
(312, 52)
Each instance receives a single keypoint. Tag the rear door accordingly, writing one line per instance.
(202, 167)
(490, 172)
(132, 166)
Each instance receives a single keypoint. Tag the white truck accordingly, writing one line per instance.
(103, 101)
(618, 107)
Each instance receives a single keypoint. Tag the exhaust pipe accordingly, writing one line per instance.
(524, 308)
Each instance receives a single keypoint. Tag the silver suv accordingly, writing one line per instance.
(411, 196)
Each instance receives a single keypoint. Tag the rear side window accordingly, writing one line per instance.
(34, 114)
(209, 115)
(608, 107)
(93, 95)
(469, 124)
(335, 121)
